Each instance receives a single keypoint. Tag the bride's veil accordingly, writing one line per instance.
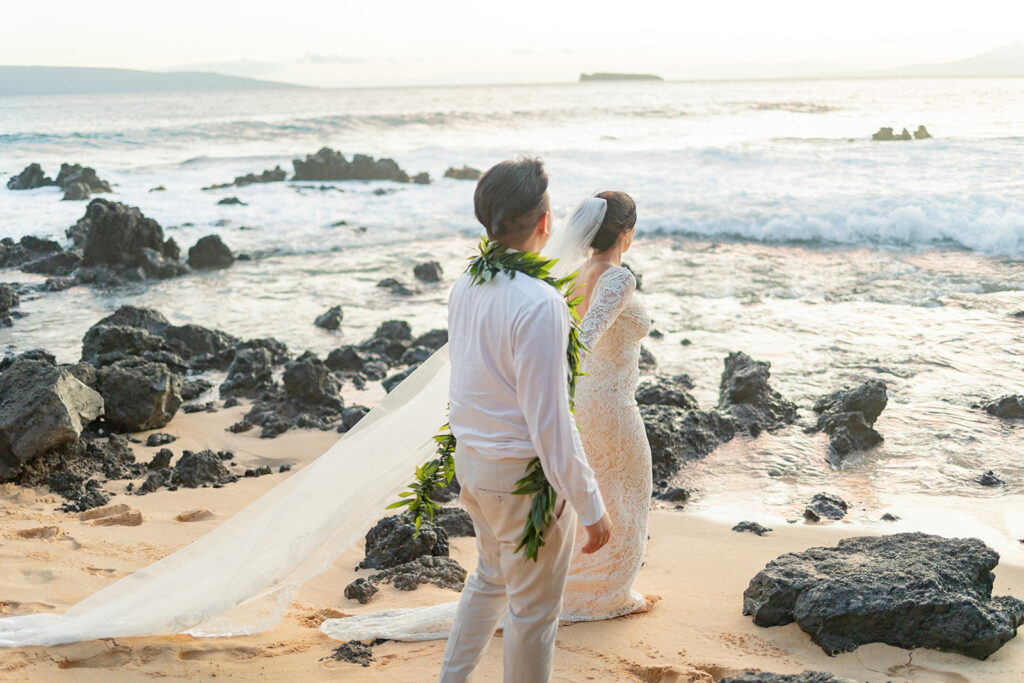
(570, 242)
(242, 576)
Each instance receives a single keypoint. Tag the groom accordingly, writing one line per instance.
(509, 403)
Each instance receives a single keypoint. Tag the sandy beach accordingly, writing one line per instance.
(697, 565)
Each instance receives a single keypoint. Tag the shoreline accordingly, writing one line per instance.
(695, 563)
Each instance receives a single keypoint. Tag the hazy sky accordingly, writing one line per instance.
(345, 42)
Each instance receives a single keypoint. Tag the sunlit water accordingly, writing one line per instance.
(770, 224)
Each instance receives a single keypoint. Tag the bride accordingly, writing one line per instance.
(241, 577)
(614, 321)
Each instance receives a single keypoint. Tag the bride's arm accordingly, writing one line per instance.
(610, 297)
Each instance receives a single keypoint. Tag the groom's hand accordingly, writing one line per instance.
(598, 534)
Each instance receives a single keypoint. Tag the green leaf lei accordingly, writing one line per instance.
(495, 258)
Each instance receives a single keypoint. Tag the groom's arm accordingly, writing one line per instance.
(542, 371)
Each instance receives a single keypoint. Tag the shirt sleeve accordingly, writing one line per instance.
(542, 372)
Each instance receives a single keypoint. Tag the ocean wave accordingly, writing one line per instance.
(982, 224)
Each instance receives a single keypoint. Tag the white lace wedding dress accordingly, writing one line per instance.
(600, 585)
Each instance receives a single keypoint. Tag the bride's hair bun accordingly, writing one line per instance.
(618, 219)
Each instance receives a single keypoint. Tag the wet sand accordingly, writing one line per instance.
(51, 560)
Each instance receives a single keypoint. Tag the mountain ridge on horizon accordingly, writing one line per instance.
(1006, 60)
(81, 80)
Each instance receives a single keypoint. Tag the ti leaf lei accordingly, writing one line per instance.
(495, 258)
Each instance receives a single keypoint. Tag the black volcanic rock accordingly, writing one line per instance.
(76, 174)
(197, 469)
(42, 407)
(307, 379)
(825, 506)
(907, 590)
(354, 652)
(443, 572)
(210, 253)
(331, 319)
(274, 175)
(160, 439)
(203, 348)
(345, 359)
(395, 287)
(393, 541)
(464, 173)
(231, 201)
(120, 237)
(848, 417)
(805, 677)
(455, 521)
(432, 340)
(29, 179)
(648, 363)
(8, 298)
(745, 394)
(678, 436)
(428, 272)
(251, 372)
(667, 391)
(75, 470)
(328, 164)
(139, 395)
(751, 527)
(28, 248)
(1007, 407)
(310, 398)
(990, 479)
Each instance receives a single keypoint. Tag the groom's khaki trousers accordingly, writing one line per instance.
(504, 581)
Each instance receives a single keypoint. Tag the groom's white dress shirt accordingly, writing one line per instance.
(509, 396)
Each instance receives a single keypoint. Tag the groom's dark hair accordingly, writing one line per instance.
(509, 198)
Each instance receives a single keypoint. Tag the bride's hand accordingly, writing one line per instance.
(598, 534)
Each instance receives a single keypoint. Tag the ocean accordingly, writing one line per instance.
(769, 222)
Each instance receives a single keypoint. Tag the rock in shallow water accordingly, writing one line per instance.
(210, 253)
(907, 590)
(825, 506)
(848, 417)
(29, 179)
(1007, 407)
(428, 272)
(746, 395)
(330, 320)
(678, 436)
(990, 479)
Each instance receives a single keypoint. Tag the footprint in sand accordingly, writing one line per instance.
(11, 608)
(227, 654)
(38, 576)
(110, 656)
(42, 532)
(99, 571)
(194, 516)
(112, 515)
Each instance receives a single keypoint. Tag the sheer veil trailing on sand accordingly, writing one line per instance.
(242, 576)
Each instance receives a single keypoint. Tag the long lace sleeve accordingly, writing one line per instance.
(611, 294)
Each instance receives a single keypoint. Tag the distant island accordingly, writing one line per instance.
(67, 80)
(600, 76)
